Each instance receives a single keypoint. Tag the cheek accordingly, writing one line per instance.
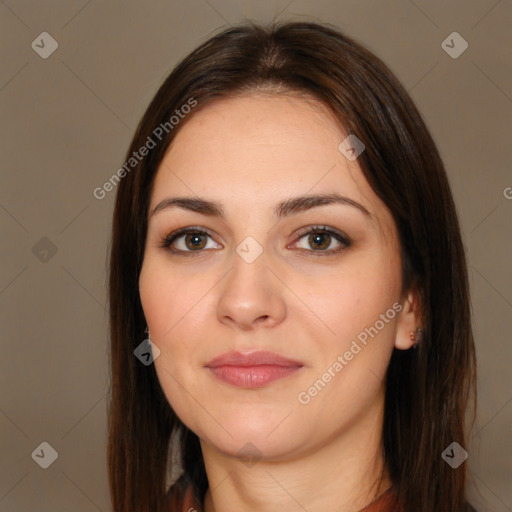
(169, 298)
(172, 307)
(353, 296)
(352, 357)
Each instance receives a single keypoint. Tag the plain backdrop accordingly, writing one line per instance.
(67, 120)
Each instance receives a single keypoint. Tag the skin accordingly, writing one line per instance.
(249, 153)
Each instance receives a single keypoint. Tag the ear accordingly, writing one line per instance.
(409, 320)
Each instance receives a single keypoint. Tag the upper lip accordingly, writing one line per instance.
(258, 358)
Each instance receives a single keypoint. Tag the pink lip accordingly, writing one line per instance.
(252, 370)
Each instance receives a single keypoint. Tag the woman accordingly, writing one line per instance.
(285, 233)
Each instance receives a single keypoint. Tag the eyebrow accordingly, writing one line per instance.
(285, 208)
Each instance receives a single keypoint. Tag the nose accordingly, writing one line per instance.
(251, 295)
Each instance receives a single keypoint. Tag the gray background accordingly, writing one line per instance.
(67, 121)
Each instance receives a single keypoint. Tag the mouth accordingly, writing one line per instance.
(253, 370)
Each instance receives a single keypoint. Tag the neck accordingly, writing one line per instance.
(345, 471)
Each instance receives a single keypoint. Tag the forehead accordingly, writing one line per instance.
(242, 133)
(252, 151)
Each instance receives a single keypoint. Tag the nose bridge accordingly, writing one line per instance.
(249, 261)
(251, 291)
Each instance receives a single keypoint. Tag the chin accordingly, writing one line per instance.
(248, 447)
(258, 437)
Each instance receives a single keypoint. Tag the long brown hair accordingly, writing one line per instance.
(428, 389)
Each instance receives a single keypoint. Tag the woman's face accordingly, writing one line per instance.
(327, 301)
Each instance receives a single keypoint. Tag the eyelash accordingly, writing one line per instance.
(166, 242)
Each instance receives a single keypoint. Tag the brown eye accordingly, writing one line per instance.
(195, 241)
(187, 240)
(319, 239)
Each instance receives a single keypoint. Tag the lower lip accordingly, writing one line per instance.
(252, 376)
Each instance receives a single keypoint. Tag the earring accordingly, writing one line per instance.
(416, 337)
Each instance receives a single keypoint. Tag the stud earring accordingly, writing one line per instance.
(416, 337)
